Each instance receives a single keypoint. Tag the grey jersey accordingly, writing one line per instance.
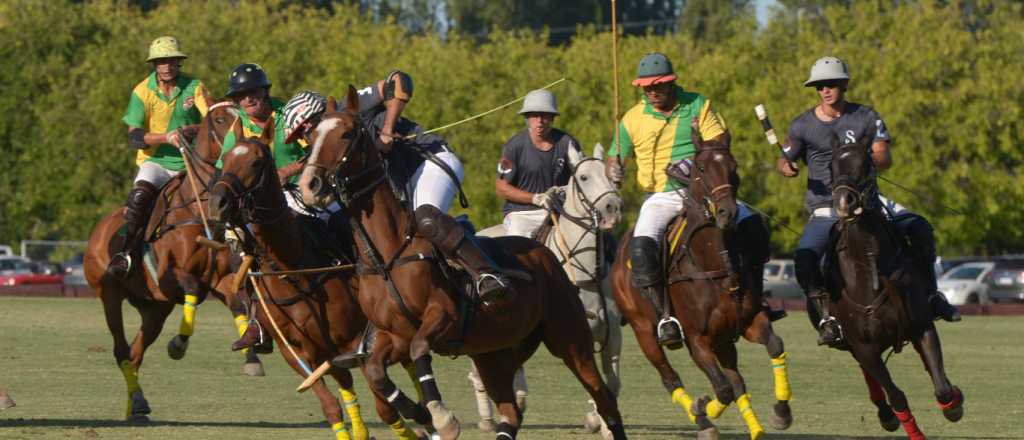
(811, 139)
(524, 166)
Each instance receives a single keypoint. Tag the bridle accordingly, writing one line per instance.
(248, 210)
(349, 188)
(846, 182)
(712, 196)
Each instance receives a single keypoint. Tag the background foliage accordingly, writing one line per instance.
(944, 75)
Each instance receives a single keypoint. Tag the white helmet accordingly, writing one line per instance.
(539, 101)
(827, 68)
(299, 109)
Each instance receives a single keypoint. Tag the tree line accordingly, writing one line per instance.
(943, 74)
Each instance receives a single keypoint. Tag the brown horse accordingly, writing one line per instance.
(318, 315)
(877, 294)
(714, 287)
(408, 290)
(175, 270)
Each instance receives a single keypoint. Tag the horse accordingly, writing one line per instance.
(317, 315)
(409, 290)
(174, 269)
(592, 206)
(714, 283)
(876, 292)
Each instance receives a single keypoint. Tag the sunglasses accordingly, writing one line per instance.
(828, 84)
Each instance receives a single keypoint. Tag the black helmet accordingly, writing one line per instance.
(247, 77)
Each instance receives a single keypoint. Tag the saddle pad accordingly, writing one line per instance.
(507, 263)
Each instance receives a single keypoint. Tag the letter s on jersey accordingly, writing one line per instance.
(850, 139)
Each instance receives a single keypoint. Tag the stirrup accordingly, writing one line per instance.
(837, 337)
(127, 257)
(671, 344)
(499, 291)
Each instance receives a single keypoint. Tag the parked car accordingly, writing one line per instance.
(5, 250)
(74, 274)
(780, 280)
(966, 283)
(1006, 281)
(13, 264)
(16, 271)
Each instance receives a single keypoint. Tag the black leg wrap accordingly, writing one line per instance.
(405, 406)
(618, 431)
(425, 375)
(505, 431)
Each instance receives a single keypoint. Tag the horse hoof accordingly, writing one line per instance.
(254, 369)
(954, 409)
(176, 347)
(783, 417)
(137, 419)
(591, 422)
(6, 401)
(889, 421)
(486, 425)
(443, 420)
(707, 434)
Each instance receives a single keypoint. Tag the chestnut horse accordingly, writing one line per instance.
(408, 290)
(714, 283)
(876, 289)
(317, 314)
(175, 271)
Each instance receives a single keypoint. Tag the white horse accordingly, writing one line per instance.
(592, 204)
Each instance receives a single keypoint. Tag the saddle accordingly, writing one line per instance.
(162, 207)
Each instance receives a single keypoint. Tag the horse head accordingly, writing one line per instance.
(247, 188)
(851, 173)
(714, 180)
(338, 156)
(590, 194)
(222, 119)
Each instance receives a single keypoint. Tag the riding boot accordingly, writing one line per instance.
(922, 240)
(357, 358)
(647, 276)
(442, 231)
(136, 214)
(808, 275)
(255, 336)
(755, 240)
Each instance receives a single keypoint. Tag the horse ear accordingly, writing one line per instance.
(332, 105)
(206, 97)
(599, 151)
(352, 100)
(267, 137)
(575, 155)
(698, 141)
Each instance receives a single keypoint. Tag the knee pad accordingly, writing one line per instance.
(808, 269)
(643, 255)
(140, 201)
(438, 228)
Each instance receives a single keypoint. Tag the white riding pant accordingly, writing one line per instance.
(660, 208)
(296, 205)
(153, 173)
(431, 185)
(525, 223)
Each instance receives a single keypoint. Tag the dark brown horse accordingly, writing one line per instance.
(877, 294)
(175, 270)
(409, 291)
(317, 314)
(714, 287)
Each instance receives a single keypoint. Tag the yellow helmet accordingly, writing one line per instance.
(165, 47)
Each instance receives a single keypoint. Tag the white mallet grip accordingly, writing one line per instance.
(769, 132)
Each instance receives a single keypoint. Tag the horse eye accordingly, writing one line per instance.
(218, 120)
(584, 178)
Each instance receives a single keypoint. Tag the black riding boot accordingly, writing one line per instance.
(808, 275)
(357, 358)
(755, 239)
(643, 252)
(136, 214)
(442, 230)
(922, 240)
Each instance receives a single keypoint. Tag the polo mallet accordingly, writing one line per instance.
(195, 189)
(615, 87)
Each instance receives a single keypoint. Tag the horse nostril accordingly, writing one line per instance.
(222, 203)
(316, 184)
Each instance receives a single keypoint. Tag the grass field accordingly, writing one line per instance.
(55, 361)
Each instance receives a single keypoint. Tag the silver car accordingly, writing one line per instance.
(780, 280)
(966, 283)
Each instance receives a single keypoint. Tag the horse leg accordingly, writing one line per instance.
(871, 363)
(886, 417)
(178, 345)
(483, 401)
(949, 397)
(328, 403)
(497, 371)
(350, 404)
(568, 339)
(389, 397)
(610, 367)
(434, 324)
(112, 310)
(643, 329)
(727, 358)
(239, 312)
(761, 332)
(153, 316)
(705, 408)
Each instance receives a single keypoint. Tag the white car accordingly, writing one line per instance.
(964, 284)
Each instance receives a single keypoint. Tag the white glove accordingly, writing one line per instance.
(547, 199)
(174, 138)
(616, 173)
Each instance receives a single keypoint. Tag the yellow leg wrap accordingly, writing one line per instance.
(339, 431)
(403, 432)
(351, 403)
(715, 408)
(743, 405)
(188, 317)
(782, 391)
(679, 397)
(242, 323)
(131, 378)
(411, 369)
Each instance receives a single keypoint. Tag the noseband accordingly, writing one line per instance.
(248, 210)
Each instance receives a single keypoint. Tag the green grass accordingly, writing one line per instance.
(55, 361)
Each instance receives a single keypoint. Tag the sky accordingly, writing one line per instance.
(762, 10)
